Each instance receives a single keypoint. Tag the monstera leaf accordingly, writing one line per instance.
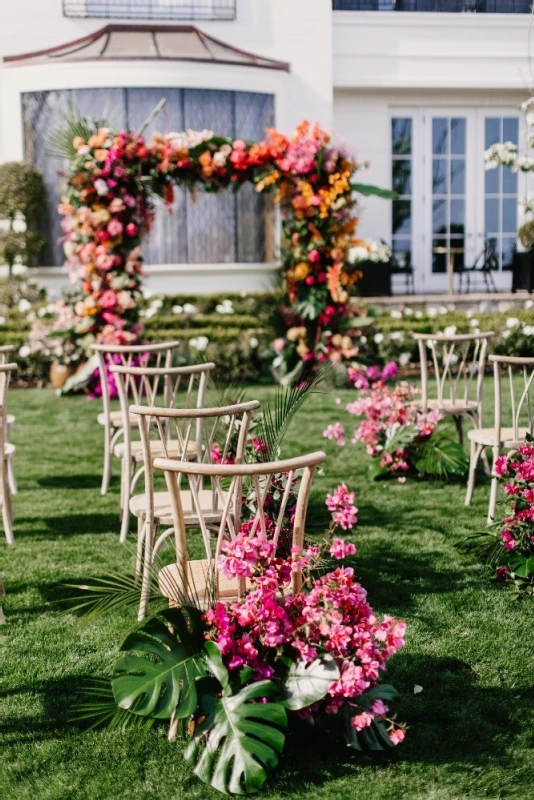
(164, 683)
(307, 684)
(237, 741)
(375, 736)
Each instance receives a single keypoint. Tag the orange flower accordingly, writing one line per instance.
(300, 271)
(101, 154)
(206, 162)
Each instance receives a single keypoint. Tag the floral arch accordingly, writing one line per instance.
(108, 209)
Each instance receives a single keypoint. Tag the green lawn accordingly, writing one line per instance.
(469, 644)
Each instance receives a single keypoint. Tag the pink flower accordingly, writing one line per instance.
(114, 227)
(131, 229)
(108, 299)
(314, 256)
(335, 432)
(341, 504)
(379, 708)
(397, 736)
(501, 465)
(341, 549)
(502, 573)
(361, 721)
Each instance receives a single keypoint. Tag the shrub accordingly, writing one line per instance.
(22, 200)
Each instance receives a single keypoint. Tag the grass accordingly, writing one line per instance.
(469, 643)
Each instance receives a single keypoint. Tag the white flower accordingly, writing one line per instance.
(253, 342)
(443, 309)
(474, 323)
(404, 359)
(24, 305)
(408, 312)
(418, 315)
(512, 322)
(357, 253)
(219, 159)
(190, 309)
(397, 335)
(363, 339)
(147, 294)
(450, 330)
(225, 307)
(2, 320)
(379, 337)
(101, 187)
(432, 311)
(506, 333)
(529, 303)
(200, 343)
(83, 150)
(19, 269)
(396, 314)
(177, 310)
(25, 351)
(528, 330)
(469, 313)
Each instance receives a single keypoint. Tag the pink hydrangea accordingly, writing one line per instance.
(341, 505)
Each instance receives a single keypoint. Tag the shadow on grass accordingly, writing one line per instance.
(69, 525)
(72, 482)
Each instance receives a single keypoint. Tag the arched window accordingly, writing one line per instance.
(222, 228)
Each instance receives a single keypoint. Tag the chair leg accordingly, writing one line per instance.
(493, 489)
(140, 542)
(11, 477)
(2, 592)
(7, 512)
(147, 572)
(473, 461)
(108, 455)
(126, 493)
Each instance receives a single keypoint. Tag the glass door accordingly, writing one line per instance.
(451, 195)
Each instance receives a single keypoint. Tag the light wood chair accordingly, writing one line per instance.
(509, 432)
(218, 433)
(200, 578)
(5, 353)
(459, 362)
(155, 355)
(7, 451)
(172, 387)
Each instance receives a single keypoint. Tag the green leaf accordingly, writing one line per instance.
(522, 566)
(307, 684)
(164, 683)
(440, 455)
(238, 741)
(369, 190)
(375, 737)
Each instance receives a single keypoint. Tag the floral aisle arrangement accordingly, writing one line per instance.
(509, 547)
(400, 438)
(107, 209)
(235, 676)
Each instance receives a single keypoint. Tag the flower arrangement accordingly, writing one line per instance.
(401, 439)
(235, 675)
(107, 209)
(511, 552)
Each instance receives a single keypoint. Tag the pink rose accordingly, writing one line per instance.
(314, 256)
(108, 299)
(115, 227)
(239, 144)
(131, 229)
(397, 736)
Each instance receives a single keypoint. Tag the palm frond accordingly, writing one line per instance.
(441, 456)
(97, 708)
(288, 400)
(224, 394)
(60, 141)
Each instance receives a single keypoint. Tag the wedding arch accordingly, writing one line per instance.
(108, 209)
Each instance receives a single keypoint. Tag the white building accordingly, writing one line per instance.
(417, 87)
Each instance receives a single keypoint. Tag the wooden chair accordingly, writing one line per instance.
(155, 355)
(200, 578)
(218, 434)
(5, 353)
(459, 361)
(145, 385)
(506, 436)
(7, 451)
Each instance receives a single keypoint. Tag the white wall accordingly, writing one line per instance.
(431, 50)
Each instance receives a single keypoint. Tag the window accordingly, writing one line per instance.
(401, 182)
(449, 147)
(500, 192)
(151, 9)
(220, 228)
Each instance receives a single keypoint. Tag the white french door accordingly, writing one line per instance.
(447, 200)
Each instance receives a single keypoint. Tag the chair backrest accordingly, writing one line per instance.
(520, 380)
(459, 361)
(265, 517)
(172, 387)
(220, 435)
(159, 354)
(5, 352)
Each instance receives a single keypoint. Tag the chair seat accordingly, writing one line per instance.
(115, 418)
(448, 406)
(200, 581)
(488, 437)
(163, 510)
(9, 449)
(156, 447)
